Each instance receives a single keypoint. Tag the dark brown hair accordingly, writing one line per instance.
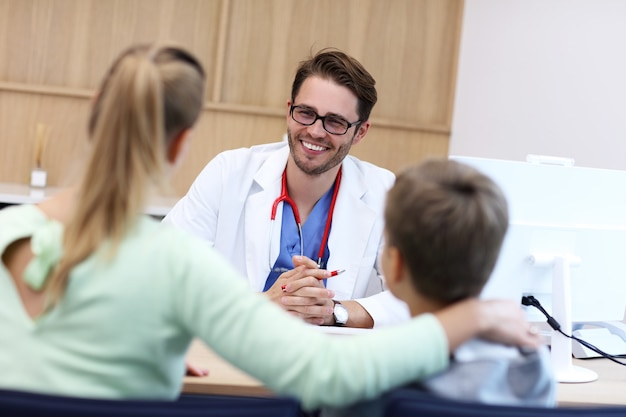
(335, 65)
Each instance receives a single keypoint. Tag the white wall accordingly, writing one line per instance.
(544, 77)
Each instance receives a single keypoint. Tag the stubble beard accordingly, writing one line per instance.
(335, 160)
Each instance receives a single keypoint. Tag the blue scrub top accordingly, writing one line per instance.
(312, 233)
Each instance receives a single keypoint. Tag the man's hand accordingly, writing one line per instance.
(302, 293)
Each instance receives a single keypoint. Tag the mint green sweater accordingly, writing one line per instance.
(124, 325)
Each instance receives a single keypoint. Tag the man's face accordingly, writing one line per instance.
(313, 149)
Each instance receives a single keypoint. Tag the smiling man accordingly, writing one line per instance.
(306, 203)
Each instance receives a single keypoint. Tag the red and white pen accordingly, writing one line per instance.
(332, 274)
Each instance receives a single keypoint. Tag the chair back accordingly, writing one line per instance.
(17, 403)
(405, 403)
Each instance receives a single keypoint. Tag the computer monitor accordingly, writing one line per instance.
(566, 245)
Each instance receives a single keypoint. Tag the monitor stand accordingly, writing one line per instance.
(561, 346)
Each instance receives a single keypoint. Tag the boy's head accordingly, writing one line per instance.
(445, 223)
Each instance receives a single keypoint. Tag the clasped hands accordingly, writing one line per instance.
(301, 292)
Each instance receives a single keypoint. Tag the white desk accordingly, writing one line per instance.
(23, 194)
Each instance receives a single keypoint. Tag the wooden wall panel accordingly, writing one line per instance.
(53, 53)
(410, 47)
(412, 50)
(403, 147)
(219, 131)
(20, 114)
(71, 43)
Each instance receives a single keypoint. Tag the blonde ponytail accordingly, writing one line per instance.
(149, 96)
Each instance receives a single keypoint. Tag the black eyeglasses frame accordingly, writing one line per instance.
(322, 118)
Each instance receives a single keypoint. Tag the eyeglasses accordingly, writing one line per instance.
(333, 124)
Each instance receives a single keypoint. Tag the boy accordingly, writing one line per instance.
(444, 226)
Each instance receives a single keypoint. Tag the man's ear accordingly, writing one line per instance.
(288, 109)
(361, 132)
(178, 145)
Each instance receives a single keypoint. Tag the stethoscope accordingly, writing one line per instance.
(284, 198)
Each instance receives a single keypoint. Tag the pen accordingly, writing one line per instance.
(332, 274)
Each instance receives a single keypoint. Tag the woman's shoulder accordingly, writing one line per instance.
(29, 222)
(20, 221)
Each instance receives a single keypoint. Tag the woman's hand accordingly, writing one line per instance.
(505, 322)
(193, 370)
(501, 321)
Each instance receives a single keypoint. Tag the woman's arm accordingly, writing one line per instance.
(294, 359)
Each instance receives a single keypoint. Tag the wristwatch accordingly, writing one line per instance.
(340, 314)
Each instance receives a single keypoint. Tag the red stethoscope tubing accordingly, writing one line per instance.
(284, 198)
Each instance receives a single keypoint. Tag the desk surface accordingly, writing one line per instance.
(225, 379)
(608, 389)
(23, 194)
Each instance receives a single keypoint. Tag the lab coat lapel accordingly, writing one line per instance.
(351, 229)
(265, 189)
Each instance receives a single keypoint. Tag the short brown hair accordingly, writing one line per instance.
(448, 220)
(346, 71)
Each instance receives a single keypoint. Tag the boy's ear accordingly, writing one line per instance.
(397, 266)
(178, 145)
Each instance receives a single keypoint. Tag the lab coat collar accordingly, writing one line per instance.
(351, 231)
(265, 189)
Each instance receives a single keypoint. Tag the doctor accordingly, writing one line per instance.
(272, 207)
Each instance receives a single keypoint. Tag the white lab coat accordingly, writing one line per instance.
(229, 206)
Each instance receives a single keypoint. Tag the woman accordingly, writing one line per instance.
(97, 300)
